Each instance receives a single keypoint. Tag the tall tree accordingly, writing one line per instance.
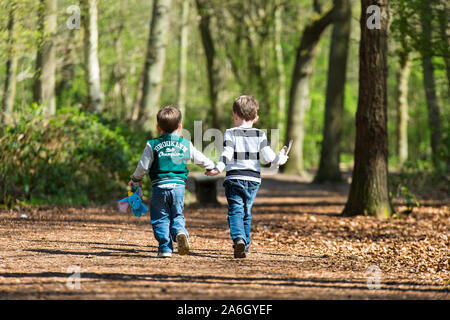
(67, 70)
(249, 31)
(399, 28)
(116, 89)
(92, 67)
(299, 92)
(334, 104)
(182, 69)
(280, 67)
(212, 63)
(443, 15)
(154, 62)
(44, 82)
(402, 105)
(11, 67)
(434, 117)
(369, 188)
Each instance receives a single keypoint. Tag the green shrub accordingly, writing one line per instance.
(70, 158)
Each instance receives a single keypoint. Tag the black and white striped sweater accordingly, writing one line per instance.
(242, 148)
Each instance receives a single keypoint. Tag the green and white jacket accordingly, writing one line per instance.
(165, 157)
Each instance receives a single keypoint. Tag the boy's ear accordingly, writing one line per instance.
(256, 119)
(180, 126)
(235, 116)
(158, 128)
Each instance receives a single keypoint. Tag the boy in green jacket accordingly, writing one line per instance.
(165, 158)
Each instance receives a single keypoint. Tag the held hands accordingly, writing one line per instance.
(212, 172)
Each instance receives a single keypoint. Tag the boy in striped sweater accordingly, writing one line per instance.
(240, 158)
(164, 159)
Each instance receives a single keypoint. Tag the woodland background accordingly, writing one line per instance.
(78, 104)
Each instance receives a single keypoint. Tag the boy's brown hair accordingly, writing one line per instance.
(246, 107)
(169, 118)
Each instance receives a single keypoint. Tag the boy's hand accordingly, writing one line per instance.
(213, 172)
(283, 158)
(131, 183)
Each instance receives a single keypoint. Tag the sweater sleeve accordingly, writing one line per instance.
(266, 151)
(144, 163)
(269, 155)
(228, 151)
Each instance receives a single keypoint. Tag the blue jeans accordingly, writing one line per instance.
(240, 196)
(166, 213)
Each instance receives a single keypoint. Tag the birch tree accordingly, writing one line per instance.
(9, 92)
(92, 67)
(44, 80)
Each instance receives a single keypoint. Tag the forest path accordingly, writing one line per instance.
(302, 249)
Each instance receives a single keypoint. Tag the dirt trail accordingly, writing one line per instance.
(302, 249)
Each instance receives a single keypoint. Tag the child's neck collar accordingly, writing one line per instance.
(244, 124)
(175, 133)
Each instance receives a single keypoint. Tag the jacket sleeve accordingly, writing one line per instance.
(144, 163)
(199, 158)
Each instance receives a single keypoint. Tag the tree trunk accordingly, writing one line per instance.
(402, 105)
(299, 92)
(11, 68)
(280, 69)
(92, 67)
(116, 89)
(444, 33)
(334, 105)
(67, 70)
(369, 189)
(136, 113)
(154, 62)
(181, 88)
(44, 83)
(211, 64)
(434, 117)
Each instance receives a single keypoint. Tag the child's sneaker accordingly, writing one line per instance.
(164, 254)
(239, 248)
(183, 244)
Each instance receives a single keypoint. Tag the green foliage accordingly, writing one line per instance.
(410, 199)
(418, 177)
(76, 157)
(66, 159)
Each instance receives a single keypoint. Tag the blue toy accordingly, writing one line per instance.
(134, 200)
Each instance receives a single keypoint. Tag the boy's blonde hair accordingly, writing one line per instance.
(246, 107)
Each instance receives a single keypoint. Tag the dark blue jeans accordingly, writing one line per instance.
(166, 213)
(240, 196)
